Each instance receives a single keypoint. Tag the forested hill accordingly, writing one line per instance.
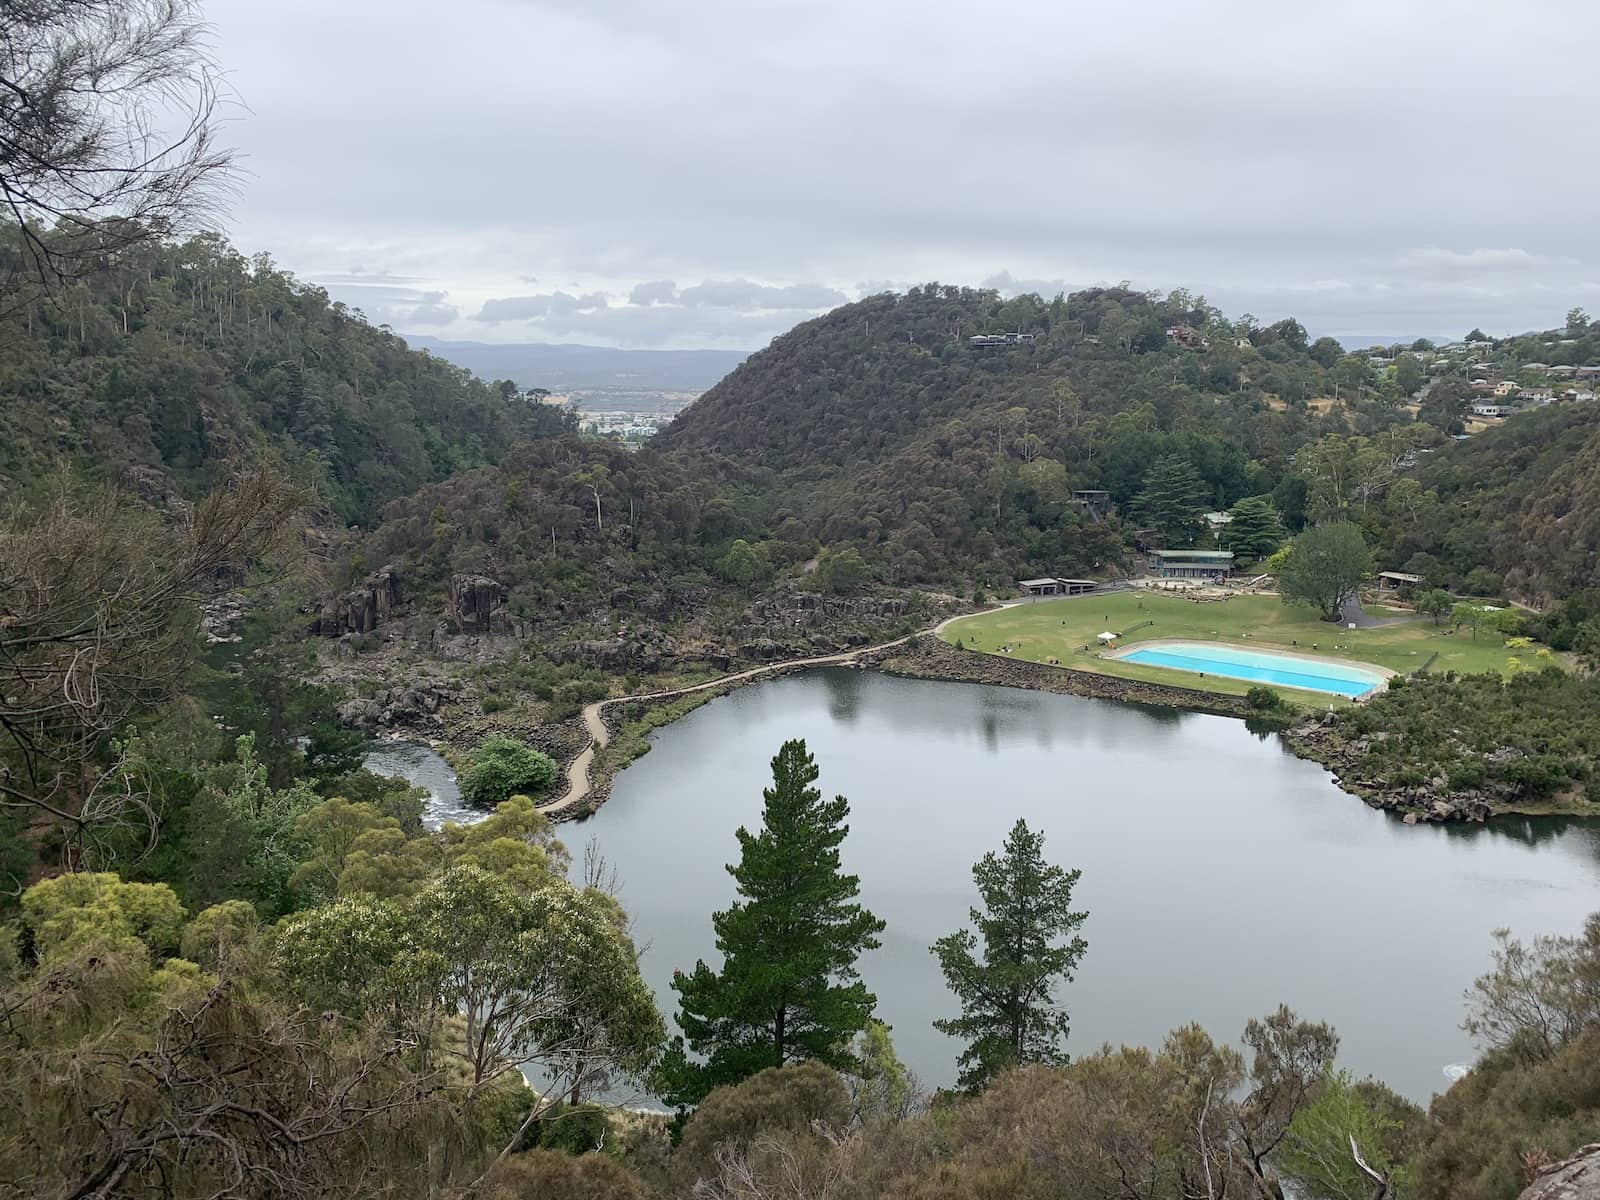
(182, 357)
(1521, 501)
(886, 426)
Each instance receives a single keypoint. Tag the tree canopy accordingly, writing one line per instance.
(1325, 565)
(1005, 975)
(788, 989)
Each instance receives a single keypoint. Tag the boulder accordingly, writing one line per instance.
(1575, 1178)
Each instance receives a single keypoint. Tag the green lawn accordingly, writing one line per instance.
(1045, 629)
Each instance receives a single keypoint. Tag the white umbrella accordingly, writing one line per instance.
(1108, 637)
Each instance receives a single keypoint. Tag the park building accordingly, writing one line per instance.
(1190, 564)
(1038, 588)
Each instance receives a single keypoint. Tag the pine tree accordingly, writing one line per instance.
(1172, 500)
(788, 989)
(1256, 530)
(1007, 1012)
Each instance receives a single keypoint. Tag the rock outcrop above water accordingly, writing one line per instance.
(363, 608)
(1575, 1178)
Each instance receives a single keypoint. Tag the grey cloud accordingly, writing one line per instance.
(1008, 286)
(524, 308)
(741, 293)
(432, 311)
(665, 325)
(1261, 156)
(662, 291)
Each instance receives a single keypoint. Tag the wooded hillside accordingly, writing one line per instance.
(181, 357)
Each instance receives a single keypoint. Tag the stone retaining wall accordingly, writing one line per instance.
(932, 658)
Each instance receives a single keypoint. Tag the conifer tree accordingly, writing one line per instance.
(788, 989)
(1172, 500)
(1007, 1011)
(1256, 529)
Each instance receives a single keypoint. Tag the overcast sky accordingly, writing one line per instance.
(682, 173)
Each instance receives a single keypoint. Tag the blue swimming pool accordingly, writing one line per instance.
(1259, 666)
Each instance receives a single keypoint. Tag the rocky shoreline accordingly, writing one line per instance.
(1432, 801)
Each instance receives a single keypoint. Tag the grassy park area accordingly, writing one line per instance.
(1061, 629)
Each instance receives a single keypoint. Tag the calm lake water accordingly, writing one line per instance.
(1222, 875)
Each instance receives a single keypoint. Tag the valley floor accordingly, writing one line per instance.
(1066, 631)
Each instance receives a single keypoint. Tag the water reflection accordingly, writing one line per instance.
(1222, 873)
(844, 694)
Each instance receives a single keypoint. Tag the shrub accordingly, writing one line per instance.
(793, 1099)
(1264, 699)
(502, 767)
(551, 1175)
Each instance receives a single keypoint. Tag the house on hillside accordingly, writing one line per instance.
(1535, 396)
(1095, 504)
(1190, 564)
(1491, 409)
(1506, 387)
(1185, 335)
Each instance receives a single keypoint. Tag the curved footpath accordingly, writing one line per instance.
(578, 785)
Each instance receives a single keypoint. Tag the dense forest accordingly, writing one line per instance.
(178, 358)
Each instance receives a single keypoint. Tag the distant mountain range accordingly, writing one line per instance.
(565, 367)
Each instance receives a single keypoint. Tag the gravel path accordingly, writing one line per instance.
(578, 786)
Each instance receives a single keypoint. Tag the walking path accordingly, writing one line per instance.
(578, 786)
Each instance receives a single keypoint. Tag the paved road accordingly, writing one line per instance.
(578, 786)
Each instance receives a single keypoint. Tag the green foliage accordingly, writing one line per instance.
(173, 355)
(841, 571)
(788, 989)
(1527, 738)
(1538, 997)
(1316, 1154)
(1265, 700)
(1328, 563)
(797, 1098)
(1008, 1015)
(1172, 501)
(546, 977)
(1256, 530)
(1519, 502)
(742, 564)
(1436, 603)
(502, 767)
(68, 912)
(880, 1086)
(1510, 1105)
(219, 931)
(242, 841)
(555, 1175)
(392, 796)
